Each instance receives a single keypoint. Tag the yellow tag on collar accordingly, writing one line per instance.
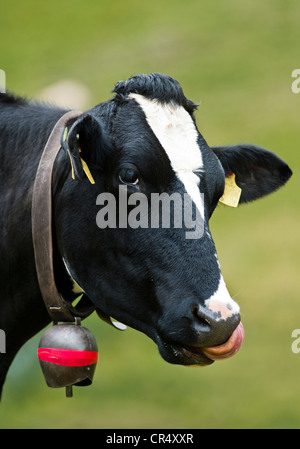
(232, 192)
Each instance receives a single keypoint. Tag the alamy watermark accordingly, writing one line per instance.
(296, 343)
(2, 341)
(2, 81)
(296, 83)
(161, 210)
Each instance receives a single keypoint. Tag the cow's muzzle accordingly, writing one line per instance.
(222, 351)
(205, 337)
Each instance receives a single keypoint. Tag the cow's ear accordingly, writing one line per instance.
(257, 171)
(84, 140)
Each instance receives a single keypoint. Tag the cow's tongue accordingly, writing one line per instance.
(229, 348)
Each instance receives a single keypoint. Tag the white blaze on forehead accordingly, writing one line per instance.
(176, 132)
(222, 303)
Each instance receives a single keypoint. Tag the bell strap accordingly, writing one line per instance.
(59, 309)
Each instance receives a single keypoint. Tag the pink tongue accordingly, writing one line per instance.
(229, 348)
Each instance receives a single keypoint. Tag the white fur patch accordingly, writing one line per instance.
(221, 302)
(178, 135)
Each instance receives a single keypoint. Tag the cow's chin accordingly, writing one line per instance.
(183, 355)
(201, 356)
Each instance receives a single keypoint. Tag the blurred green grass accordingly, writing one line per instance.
(236, 58)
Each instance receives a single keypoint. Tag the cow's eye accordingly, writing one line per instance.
(129, 176)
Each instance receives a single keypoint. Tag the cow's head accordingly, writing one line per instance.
(163, 280)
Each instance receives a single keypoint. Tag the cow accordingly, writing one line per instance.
(159, 280)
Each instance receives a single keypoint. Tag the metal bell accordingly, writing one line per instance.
(68, 355)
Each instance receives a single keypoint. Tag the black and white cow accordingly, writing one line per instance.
(153, 279)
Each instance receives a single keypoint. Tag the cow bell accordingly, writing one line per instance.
(68, 355)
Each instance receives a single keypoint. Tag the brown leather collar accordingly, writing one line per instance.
(58, 308)
(41, 214)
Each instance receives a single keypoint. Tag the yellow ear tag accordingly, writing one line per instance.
(72, 166)
(65, 134)
(232, 192)
(87, 171)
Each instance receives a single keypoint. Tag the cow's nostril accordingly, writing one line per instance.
(210, 329)
(201, 321)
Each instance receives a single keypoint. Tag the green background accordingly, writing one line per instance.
(236, 58)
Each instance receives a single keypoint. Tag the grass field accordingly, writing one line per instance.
(236, 58)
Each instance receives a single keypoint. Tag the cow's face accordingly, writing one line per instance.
(162, 278)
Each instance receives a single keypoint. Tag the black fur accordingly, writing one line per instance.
(258, 171)
(156, 86)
